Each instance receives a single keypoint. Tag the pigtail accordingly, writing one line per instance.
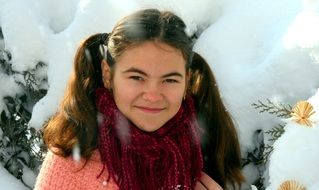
(75, 123)
(220, 146)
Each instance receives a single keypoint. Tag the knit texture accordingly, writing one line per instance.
(168, 158)
(59, 173)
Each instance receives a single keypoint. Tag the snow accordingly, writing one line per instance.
(287, 162)
(7, 181)
(296, 153)
(261, 49)
(4, 90)
(25, 38)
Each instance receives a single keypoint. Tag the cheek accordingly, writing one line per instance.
(175, 96)
(175, 92)
(124, 94)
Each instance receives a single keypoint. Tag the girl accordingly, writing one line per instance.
(145, 112)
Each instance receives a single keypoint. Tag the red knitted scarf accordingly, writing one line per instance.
(168, 158)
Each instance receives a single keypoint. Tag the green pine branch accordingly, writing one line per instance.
(276, 132)
(267, 152)
(279, 110)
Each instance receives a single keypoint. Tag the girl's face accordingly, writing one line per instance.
(149, 83)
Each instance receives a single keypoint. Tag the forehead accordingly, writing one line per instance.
(152, 56)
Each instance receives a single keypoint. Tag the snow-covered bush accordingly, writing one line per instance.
(20, 145)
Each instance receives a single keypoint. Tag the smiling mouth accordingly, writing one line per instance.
(149, 110)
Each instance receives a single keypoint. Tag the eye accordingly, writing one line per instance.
(137, 78)
(171, 81)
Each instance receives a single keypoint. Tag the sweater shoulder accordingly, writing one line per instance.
(66, 173)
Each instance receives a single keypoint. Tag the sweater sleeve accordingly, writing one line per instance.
(59, 173)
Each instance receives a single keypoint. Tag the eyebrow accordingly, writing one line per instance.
(135, 70)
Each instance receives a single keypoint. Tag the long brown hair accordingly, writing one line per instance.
(76, 121)
(220, 146)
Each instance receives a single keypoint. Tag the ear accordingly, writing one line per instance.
(106, 75)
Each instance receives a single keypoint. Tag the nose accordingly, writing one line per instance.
(152, 93)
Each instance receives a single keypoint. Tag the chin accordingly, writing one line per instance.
(148, 128)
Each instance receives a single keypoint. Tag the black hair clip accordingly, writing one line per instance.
(103, 44)
(104, 38)
(104, 49)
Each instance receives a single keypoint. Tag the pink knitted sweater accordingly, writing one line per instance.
(58, 173)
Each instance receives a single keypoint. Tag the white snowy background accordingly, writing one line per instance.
(258, 50)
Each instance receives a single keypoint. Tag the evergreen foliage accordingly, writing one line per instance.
(260, 155)
(21, 145)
